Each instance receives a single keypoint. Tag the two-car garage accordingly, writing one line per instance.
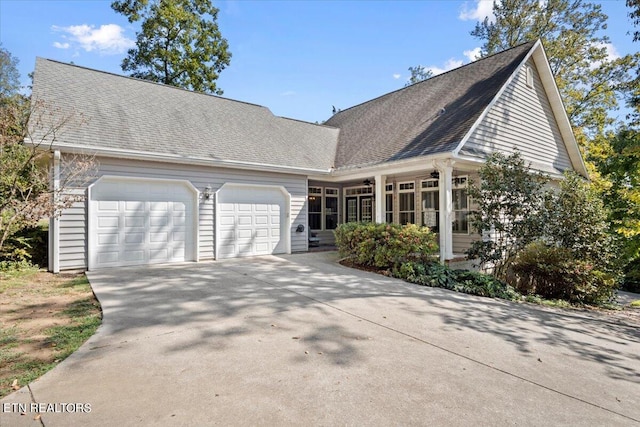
(138, 221)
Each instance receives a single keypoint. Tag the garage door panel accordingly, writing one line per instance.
(107, 257)
(134, 238)
(141, 223)
(108, 239)
(254, 217)
(107, 205)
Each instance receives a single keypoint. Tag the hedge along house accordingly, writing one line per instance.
(184, 176)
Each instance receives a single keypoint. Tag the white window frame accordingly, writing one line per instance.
(315, 191)
(431, 185)
(358, 192)
(410, 190)
(327, 195)
(388, 190)
(462, 184)
(323, 193)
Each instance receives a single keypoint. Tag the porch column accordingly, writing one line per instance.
(445, 168)
(54, 220)
(381, 181)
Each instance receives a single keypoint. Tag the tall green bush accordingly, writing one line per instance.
(510, 199)
(555, 273)
(385, 245)
(576, 220)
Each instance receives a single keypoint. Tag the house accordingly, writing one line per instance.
(185, 176)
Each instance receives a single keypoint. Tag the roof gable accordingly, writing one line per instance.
(426, 118)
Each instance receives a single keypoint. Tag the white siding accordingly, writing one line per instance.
(73, 222)
(522, 118)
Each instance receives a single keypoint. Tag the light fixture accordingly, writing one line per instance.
(207, 192)
(435, 174)
(367, 182)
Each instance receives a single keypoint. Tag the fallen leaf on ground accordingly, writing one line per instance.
(15, 385)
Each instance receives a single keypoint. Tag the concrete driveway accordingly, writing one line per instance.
(301, 340)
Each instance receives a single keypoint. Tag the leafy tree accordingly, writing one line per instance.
(634, 14)
(510, 214)
(25, 194)
(620, 165)
(418, 73)
(572, 33)
(576, 219)
(179, 44)
(9, 76)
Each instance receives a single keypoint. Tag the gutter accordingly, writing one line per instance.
(174, 158)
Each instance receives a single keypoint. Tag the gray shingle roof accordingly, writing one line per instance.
(426, 118)
(131, 114)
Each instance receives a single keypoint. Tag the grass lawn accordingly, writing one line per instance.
(44, 318)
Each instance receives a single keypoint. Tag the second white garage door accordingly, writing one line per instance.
(251, 220)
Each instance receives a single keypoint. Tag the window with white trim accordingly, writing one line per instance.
(407, 202)
(315, 208)
(460, 199)
(330, 208)
(431, 204)
(388, 197)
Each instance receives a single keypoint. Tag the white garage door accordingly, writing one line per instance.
(136, 222)
(251, 221)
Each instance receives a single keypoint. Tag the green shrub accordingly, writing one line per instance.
(472, 282)
(631, 281)
(553, 273)
(27, 245)
(469, 282)
(385, 245)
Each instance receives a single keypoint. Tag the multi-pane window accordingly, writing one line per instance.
(315, 208)
(431, 204)
(388, 198)
(323, 208)
(331, 208)
(407, 203)
(460, 201)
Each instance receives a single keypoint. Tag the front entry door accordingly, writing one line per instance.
(366, 209)
(359, 209)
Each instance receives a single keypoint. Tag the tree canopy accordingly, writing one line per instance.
(418, 73)
(179, 44)
(9, 75)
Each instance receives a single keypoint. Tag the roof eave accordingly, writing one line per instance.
(173, 158)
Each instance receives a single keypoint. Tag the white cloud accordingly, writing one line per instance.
(472, 54)
(288, 93)
(612, 52)
(449, 65)
(61, 45)
(479, 10)
(396, 76)
(108, 39)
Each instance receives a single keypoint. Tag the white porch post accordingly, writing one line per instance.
(445, 168)
(54, 221)
(380, 198)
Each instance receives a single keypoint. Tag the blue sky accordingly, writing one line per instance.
(298, 58)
